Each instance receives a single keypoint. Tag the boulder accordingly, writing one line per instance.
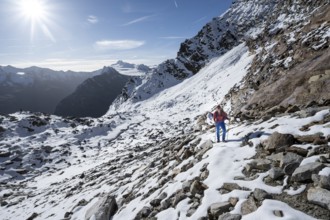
(304, 173)
(230, 186)
(298, 150)
(321, 181)
(207, 145)
(5, 154)
(249, 206)
(229, 216)
(291, 167)
(216, 209)
(143, 213)
(308, 138)
(103, 209)
(319, 197)
(197, 187)
(259, 164)
(233, 201)
(285, 158)
(278, 140)
(276, 173)
(260, 194)
(178, 198)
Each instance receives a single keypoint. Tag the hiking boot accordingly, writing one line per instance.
(218, 141)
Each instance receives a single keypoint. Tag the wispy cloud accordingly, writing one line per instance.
(118, 44)
(199, 20)
(173, 37)
(92, 19)
(144, 18)
(176, 4)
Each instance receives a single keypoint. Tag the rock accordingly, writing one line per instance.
(275, 173)
(291, 167)
(233, 201)
(178, 198)
(278, 213)
(207, 145)
(190, 212)
(197, 187)
(285, 158)
(144, 212)
(298, 150)
(162, 196)
(219, 208)
(278, 140)
(230, 186)
(155, 202)
(165, 204)
(321, 181)
(308, 138)
(21, 171)
(260, 194)
(33, 216)
(248, 206)
(304, 173)
(319, 197)
(5, 154)
(186, 186)
(322, 149)
(103, 209)
(229, 216)
(259, 164)
(4, 203)
(320, 141)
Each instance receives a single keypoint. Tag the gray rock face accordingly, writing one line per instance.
(144, 212)
(291, 167)
(5, 154)
(204, 148)
(219, 208)
(319, 197)
(197, 187)
(103, 209)
(304, 173)
(276, 173)
(321, 181)
(229, 216)
(259, 164)
(278, 140)
(285, 158)
(260, 194)
(249, 206)
(93, 97)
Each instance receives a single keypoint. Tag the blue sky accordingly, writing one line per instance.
(89, 34)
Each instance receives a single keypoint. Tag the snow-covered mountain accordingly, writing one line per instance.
(131, 69)
(153, 156)
(93, 97)
(36, 89)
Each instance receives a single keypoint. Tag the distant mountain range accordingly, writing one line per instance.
(38, 89)
(94, 96)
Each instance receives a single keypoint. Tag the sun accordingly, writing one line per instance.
(33, 9)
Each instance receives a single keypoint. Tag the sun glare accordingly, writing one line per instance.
(37, 14)
(33, 9)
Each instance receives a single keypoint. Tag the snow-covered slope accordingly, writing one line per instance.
(66, 168)
(152, 155)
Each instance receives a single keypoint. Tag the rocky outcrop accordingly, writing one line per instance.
(291, 63)
(94, 96)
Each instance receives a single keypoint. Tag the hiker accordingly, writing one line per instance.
(219, 117)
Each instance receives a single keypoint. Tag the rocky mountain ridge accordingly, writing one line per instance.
(93, 97)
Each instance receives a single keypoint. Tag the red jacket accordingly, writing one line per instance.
(219, 117)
